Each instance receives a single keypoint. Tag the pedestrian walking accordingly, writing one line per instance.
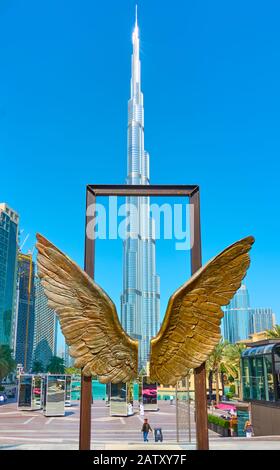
(146, 428)
(248, 428)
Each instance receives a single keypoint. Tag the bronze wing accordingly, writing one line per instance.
(191, 327)
(87, 316)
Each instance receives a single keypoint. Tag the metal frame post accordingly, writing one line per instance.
(202, 437)
(86, 382)
(192, 192)
(189, 409)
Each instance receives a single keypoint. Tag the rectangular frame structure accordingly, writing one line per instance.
(121, 399)
(149, 394)
(29, 388)
(54, 395)
(192, 192)
(68, 390)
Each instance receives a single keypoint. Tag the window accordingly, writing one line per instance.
(246, 378)
(268, 372)
(277, 371)
(261, 373)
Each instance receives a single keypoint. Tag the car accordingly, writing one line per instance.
(3, 397)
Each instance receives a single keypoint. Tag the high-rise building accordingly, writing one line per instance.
(25, 312)
(68, 360)
(237, 315)
(261, 319)
(45, 327)
(140, 299)
(9, 223)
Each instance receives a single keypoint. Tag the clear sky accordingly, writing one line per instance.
(210, 76)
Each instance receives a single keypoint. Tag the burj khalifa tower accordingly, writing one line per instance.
(140, 299)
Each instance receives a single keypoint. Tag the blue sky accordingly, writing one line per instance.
(210, 75)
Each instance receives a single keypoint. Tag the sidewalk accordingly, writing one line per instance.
(235, 443)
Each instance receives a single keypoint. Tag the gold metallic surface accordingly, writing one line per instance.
(191, 327)
(88, 318)
(96, 339)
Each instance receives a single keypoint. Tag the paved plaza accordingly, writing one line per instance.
(32, 430)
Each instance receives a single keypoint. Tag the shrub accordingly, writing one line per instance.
(218, 421)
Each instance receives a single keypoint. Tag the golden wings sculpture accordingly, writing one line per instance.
(96, 339)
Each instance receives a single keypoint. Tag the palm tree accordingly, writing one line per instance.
(213, 366)
(37, 367)
(222, 360)
(72, 371)
(274, 333)
(210, 379)
(56, 365)
(233, 354)
(7, 363)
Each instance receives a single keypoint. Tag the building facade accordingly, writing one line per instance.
(25, 312)
(260, 372)
(68, 360)
(140, 299)
(9, 223)
(45, 337)
(236, 324)
(262, 319)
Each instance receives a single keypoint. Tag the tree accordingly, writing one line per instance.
(56, 365)
(274, 333)
(233, 354)
(142, 372)
(222, 361)
(72, 371)
(214, 366)
(37, 367)
(210, 379)
(7, 363)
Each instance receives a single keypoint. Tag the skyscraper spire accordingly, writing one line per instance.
(135, 36)
(140, 296)
(135, 75)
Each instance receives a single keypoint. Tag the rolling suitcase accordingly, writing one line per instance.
(158, 434)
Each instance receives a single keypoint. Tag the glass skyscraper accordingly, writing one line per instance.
(68, 360)
(237, 317)
(25, 314)
(140, 299)
(46, 324)
(262, 319)
(240, 320)
(9, 221)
